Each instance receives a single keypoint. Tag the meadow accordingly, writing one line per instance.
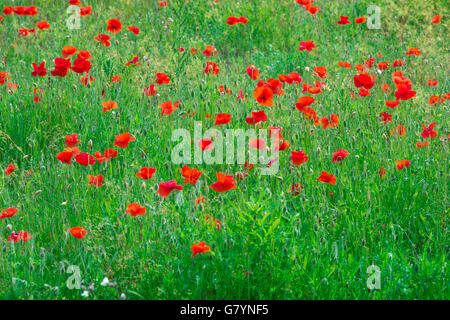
(361, 213)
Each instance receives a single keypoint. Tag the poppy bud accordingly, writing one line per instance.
(384, 136)
(8, 227)
(354, 139)
(37, 192)
(143, 186)
(318, 150)
(89, 144)
(307, 69)
(64, 203)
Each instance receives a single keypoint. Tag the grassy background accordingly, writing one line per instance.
(272, 245)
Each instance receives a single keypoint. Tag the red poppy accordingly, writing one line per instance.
(39, 70)
(413, 51)
(113, 25)
(190, 175)
(78, 232)
(165, 188)
(150, 90)
(96, 180)
(222, 118)
(17, 236)
(43, 25)
(162, 78)
(80, 65)
(256, 117)
(298, 157)
(211, 68)
(307, 45)
(87, 79)
(253, 72)
(428, 132)
(9, 169)
(8, 213)
(85, 159)
(135, 209)
(403, 86)
(402, 164)
(134, 29)
(321, 72)
(123, 139)
(72, 140)
(69, 51)
(339, 155)
(109, 106)
(304, 102)
(103, 39)
(399, 130)
(200, 247)
(209, 50)
(364, 80)
(327, 177)
(168, 108)
(343, 20)
(86, 11)
(436, 19)
(432, 83)
(422, 144)
(344, 64)
(206, 144)
(359, 20)
(146, 173)
(263, 95)
(382, 172)
(385, 117)
(257, 144)
(224, 183)
(65, 157)
(392, 104)
(61, 67)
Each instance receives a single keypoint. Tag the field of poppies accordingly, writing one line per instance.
(339, 192)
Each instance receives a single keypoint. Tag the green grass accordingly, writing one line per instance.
(272, 245)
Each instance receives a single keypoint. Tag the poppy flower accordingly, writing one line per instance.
(86, 11)
(72, 140)
(134, 29)
(399, 130)
(290, 78)
(133, 61)
(242, 20)
(432, 83)
(85, 159)
(327, 178)
(303, 102)
(113, 25)
(39, 70)
(8, 213)
(87, 79)
(43, 25)
(8, 10)
(190, 175)
(383, 65)
(402, 164)
(403, 88)
(363, 80)
(263, 96)
(397, 63)
(75, 2)
(359, 20)
(298, 157)
(150, 90)
(200, 247)
(9, 169)
(428, 132)
(146, 173)
(392, 104)
(4, 76)
(211, 68)
(222, 118)
(422, 144)
(436, 19)
(434, 100)
(81, 66)
(344, 64)
(307, 45)
(168, 108)
(103, 39)
(65, 157)
(321, 72)
(17, 236)
(123, 139)
(96, 180)
(163, 3)
(165, 188)
(25, 32)
(256, 117)
(61, 67)
(209, 50)
(109, 106)
(78, 232)
(116, 78)
(232, 21)
(257, 144)
(110, 153)
(382, 172)
(26, 11)
(162, 78)
(343, 20)
(413, 51)
(224, 183)
(206, 144)
(385, 117)
(339, 155)
(69, 51)
(135, 209)
(253, 72)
